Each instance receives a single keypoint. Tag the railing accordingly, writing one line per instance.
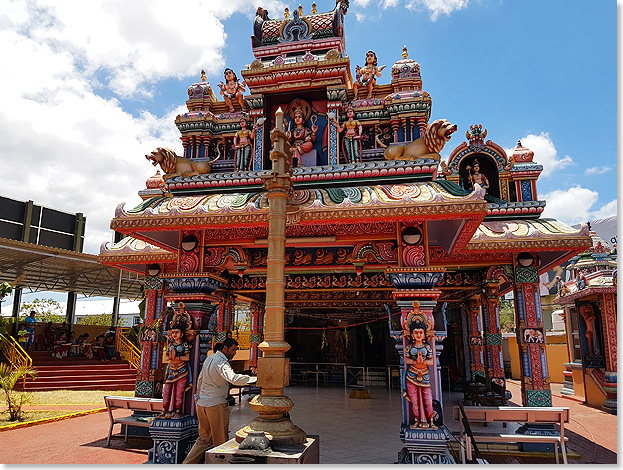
(14, 354)
(127, 349)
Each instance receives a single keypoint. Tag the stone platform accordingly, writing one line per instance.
(228, 453)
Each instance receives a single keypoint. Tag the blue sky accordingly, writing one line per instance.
(89, 91)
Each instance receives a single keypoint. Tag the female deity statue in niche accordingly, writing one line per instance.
(475, 177)
(232, 89)
(366, 76)
(178, 372)
(243, 141)
(352, 137)
(418, 357)
(302, 138)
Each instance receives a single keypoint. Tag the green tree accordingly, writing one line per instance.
(45, 310)
(103, 319)
(13, 398)
(507, 316)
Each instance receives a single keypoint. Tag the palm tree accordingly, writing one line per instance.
(14, 399)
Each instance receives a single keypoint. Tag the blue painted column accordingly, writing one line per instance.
(416, 296)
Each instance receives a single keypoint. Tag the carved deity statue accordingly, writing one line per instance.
(178, 371)
(232, 89)
(302, 138)
(418, 357)
(475, 177)
(588, 313)
(352, 137)
(366, 76)
(243, 143)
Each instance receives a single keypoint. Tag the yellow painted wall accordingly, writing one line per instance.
(594, 396)
(515, 361)
(557, 355)
(578, 384)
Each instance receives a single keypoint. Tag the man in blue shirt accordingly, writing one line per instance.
(213, 387)
(30, 328)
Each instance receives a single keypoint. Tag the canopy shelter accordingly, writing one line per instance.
(42, 268)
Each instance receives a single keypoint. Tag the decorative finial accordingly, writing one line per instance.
(404, 52)
(286, 13)
(313, 8)
(203, 75)
(300, 10)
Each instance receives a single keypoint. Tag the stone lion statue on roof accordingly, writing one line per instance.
(428, 146)
(173, 165)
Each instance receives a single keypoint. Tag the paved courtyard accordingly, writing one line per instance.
(350, 430)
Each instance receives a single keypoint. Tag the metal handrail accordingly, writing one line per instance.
(15, 354)
(127, 349)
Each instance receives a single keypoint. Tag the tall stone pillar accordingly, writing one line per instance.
(416, 297)
(273, 368)
(535, 388)
(493, 336)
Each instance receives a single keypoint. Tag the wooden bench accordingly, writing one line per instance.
(511, 414)
(152, 405)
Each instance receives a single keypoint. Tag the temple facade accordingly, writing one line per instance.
(376, 227)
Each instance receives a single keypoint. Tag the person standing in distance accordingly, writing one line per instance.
(213, 388)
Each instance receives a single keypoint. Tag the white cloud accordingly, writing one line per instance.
(360, 17)
(389, 3)
(67, 142)
(437, 7)
(545, 153)
(361, 3)
(575, 205)
(605, 211)
(597, 170)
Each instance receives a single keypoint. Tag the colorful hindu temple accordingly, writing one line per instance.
(319, 197)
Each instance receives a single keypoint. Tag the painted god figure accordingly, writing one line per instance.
(302, 138)
(418, 356)
(352, 137)
(178, 372)
(243, 141)
(366, 76)
(232, 89)
(475, 177)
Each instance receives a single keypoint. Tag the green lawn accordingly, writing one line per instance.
(61, 397)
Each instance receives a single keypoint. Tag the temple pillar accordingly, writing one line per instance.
(608, 312)
(395, 126)
(192, 294)
(259, 147)
(474, 334)
(493, 336)
(150, 376)
(416, 297)
(185, 141)
(535, 389)
(254, 338)
(273, 368)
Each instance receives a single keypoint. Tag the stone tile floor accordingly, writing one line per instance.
(359, 431)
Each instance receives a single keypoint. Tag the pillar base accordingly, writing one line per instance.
(173, 438)
(273, 421)
(425, 446)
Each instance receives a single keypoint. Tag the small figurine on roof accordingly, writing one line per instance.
(352, 137)
(366, 75)
(232, 89)
(476, 177)
(243, 144)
